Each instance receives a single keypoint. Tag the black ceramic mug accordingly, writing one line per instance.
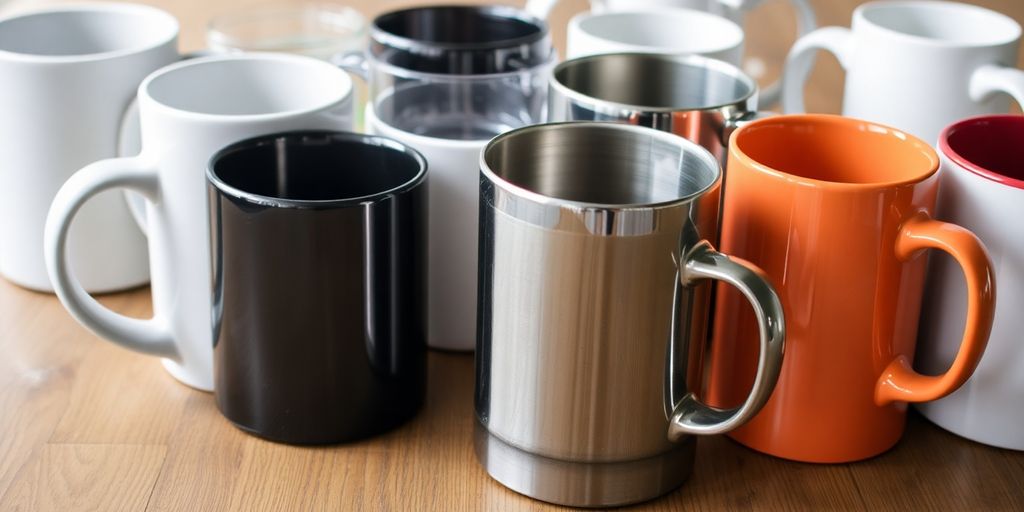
(319, 247)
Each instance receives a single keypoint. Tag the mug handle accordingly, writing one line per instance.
(806, 23)
(990, 79)
(899, 382)
(837, 40)
(150, 336)
(736, 122)
(129, 143)
(690, 415)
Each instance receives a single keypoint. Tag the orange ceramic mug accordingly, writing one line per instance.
(837, 212)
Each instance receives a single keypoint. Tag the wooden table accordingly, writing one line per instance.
(86, 425)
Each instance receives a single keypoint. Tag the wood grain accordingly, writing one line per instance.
(85, 425)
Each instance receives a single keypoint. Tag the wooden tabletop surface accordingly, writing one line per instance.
(86, 425)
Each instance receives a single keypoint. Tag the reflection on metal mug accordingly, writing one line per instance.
(596, 260)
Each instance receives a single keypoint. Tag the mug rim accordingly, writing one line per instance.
(675, 13)
(315, 204)
(860, 17)
(947, 150)
(341, 96)
(831, 119)
(679, 58)
(507, 11)
(682, 144)
(154, 15)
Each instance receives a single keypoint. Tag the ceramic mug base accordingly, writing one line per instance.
(821, 456)
(202, 383)
(579, 484)
(958, 429)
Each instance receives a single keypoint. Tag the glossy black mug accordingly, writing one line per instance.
(319, 249)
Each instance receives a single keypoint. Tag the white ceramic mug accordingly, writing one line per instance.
(67, 75)
(685, 31)
(916, 65)
(452, 200)
(188, 111)
(982, 189)
(733, 10)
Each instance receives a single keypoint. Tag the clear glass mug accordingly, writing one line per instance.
(456, 72)
(322, 30)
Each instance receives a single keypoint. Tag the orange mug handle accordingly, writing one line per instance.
(899, 382)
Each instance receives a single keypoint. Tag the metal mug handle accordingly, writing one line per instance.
(690, 415)
(739, 121)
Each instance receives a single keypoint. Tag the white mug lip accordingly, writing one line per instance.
(157, 16)
(580, 21)
(416, 140)
(341, 95)
(860, 18)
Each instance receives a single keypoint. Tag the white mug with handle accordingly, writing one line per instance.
(916, 65)
(66, 75)
(733, 10)
(188, 111)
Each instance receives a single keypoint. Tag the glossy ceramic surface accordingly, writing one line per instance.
(190, 110)
(981, 188)
(319, 280)
(837, 212)
(916, 65)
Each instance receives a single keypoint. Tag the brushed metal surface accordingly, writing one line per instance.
(596, 251)
(702, 100)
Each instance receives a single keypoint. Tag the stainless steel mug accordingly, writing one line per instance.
(596, 253)
(319, 284)
(700, 99)
(444, 80)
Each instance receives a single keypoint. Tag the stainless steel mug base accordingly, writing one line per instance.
(581, 484)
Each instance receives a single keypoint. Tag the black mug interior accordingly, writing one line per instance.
(307, 168)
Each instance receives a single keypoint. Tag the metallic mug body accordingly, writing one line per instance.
(596, 248)
(700, 99)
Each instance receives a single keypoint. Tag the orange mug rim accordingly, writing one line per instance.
(914, 142)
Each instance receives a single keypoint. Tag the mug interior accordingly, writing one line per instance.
(84, 31)
(301, 167)
(459, 25)
(943, 21)
(251, 85)
(655, 82)
(834, 149)
(601, 164)
(991, 146)
(681, 30)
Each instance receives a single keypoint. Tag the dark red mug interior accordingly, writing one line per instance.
(990, 146)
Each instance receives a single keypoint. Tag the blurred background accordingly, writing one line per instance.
(770, 30)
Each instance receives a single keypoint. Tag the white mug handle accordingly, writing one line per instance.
(150, 336)
(837, 40)
(991, 79)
